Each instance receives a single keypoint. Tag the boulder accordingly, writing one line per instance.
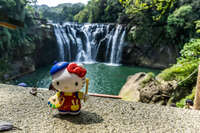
(145, 88)
(130, 90)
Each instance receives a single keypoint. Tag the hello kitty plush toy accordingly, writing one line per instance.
(68, 79)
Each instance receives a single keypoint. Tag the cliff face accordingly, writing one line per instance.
(149, 47)
(39, 52)
(148, 56)
(46, 51)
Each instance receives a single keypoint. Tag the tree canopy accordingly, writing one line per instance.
(100, 11)
(61, 13)
(158, 7)
(18, 10)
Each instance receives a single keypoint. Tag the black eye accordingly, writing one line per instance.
(76, 83)
(57, 83)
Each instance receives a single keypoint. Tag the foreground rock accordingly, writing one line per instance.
(30, 114)
(145, 88)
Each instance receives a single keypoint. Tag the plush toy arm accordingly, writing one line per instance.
(80, 95)
(56, 101)
(86, 96)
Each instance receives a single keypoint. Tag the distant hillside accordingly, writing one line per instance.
(61, 13)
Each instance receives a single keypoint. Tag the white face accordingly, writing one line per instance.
(67, 82)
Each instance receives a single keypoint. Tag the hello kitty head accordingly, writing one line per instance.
(68, 77)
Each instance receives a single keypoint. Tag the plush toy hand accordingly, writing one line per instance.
(86, 97)
(55, 101)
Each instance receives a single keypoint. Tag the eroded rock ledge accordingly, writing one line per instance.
(31, 114)
(143, 87)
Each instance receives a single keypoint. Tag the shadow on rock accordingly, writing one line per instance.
(84, 117)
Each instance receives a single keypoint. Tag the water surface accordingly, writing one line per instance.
(104, 78)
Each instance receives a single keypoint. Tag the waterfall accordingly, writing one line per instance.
(59, 41)
(90, 42)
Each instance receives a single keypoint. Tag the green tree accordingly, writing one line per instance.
(181, 23)
(184, 71)
(100, 11)
(16, 10)
(197, 22)
(159, 7)
(61, 13)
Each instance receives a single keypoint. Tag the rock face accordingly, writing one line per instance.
(148, 56)
(149, 47)
(142, 87)
(40, 52)
(46, 48)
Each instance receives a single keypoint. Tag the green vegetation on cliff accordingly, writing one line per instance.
(186, 64)
(184, 71)
(19, 10)
(15, 42)
(100, 11)
(19, 47)
(173, 26)
(61, 13)
(184, 22)
(157, 7)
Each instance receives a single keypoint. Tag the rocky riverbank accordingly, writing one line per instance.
(146, 88)
(31, 114)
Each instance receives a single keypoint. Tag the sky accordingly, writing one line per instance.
(56, 2)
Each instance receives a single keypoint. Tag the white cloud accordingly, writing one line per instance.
(56, 2)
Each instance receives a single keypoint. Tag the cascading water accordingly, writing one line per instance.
(59, 41)
(90, 42)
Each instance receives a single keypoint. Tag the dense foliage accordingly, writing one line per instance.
(186, 64)
(185, 71)
(100, 11)
(157, 7)
(19, 10)
(13, 42)
(174, 24)
(61, 13)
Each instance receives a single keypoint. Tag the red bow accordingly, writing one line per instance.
(74, 68)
